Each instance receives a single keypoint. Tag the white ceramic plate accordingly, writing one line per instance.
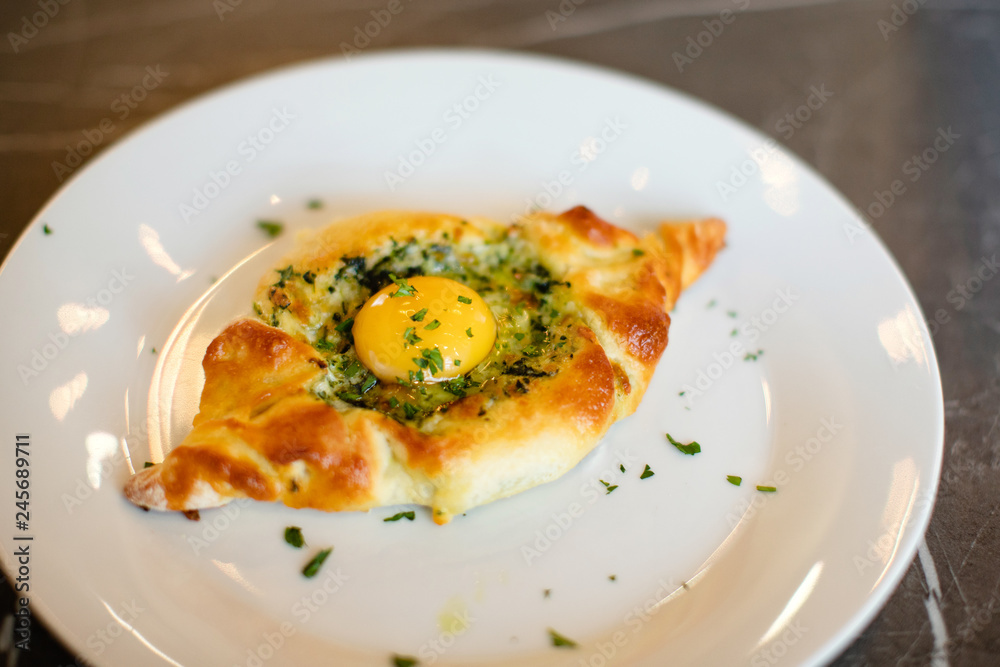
(842, 412)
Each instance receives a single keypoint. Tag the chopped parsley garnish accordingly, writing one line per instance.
(404, 661)
(732, 313)
(468, 332)
(419, 315)
(433, 358)
(285, 275)
(405, 288)
(153, 350)
(638, 252)
(691, 449)
(345, 326)
(621, 466)
(293, 535)
(734, 332)
(735, 480)
(393, 402)
(353, 369)
(681, 393)
(411, 337)
(752, 356)
(368, 383)
(711, 304)
(519, 336)
(314, 204)
(559, 640)
(433, 325)
(612, 577)
(349, 396)
(148, 464)
(464, 299)
(313, 566)
(46, 230)
(410, 516)
(609, 487)
(648, 472)
(766, 489)
(271, 227)
(458, 362)
(410, 410)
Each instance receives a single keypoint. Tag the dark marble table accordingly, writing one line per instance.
(899, 72)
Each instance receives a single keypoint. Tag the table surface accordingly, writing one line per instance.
(899, 71)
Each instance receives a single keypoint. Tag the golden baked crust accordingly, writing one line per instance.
(272, 427)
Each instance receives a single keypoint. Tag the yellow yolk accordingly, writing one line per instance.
(423, 324)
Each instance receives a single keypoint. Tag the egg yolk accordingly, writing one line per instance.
(424, 328)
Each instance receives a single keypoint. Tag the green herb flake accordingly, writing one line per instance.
(410, 410)
(690, 449)
(148, 464)
(735, 480)
(638, 252)
(349, 396)
(559, 640)
(285, 275)
(613, 577)
(734, 332)
(647, 473)
(608, 486)
(434, 359)
(271, 227)
(468, 332)
(46, 230)
(409, 516)
(405, 289)
(711, 304)
(621, 467)
(464, 299)
(312, 567)
(345, 326)
(766, 489)
(314, 204)
(519, 336)
(732, 313)
(433, 325)
(753, 356)
(153, 350)
(419, 315)
(411, 337)
(368, 383)
(393, 402)
(681, 393)
(293, 535)
(404, 661)
(353, 369)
